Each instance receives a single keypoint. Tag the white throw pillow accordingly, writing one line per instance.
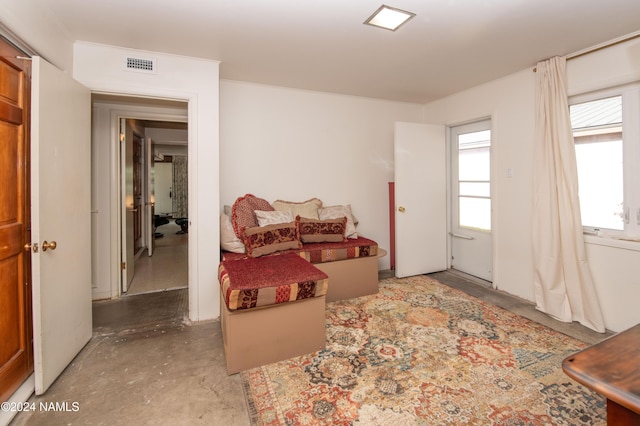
(273, 217)
(308, 209)
(228, 239)
(336, 212)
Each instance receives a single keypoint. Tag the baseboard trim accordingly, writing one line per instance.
(22, 394)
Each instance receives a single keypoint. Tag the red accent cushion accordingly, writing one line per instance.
(319, 231)
(242, 212)
(261, 240)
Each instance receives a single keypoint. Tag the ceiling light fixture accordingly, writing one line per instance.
(389, 18)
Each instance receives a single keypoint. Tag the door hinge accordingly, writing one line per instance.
(123, 265)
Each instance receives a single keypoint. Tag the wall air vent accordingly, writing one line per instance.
(141, 65)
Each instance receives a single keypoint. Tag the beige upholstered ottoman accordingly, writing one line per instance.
(271, 308)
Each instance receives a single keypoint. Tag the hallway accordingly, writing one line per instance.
(168, 268)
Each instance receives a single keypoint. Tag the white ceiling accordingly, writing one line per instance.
(323, 45)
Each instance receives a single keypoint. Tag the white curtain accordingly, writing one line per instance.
(563, 284)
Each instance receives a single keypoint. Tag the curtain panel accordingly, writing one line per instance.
(180, 187)
(563, 284)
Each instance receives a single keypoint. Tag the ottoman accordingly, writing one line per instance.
(271, 308)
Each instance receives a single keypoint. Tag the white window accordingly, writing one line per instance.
(606, 129)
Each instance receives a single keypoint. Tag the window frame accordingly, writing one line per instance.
(630, 94)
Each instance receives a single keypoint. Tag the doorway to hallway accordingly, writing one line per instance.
(161, 261)
(153, 168)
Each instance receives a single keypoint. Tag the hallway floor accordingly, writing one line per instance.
(168, 268)
(147, 365)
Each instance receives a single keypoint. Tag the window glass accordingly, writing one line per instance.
(474, 156)
(597, 131)
(475, 213)
(474, 180)
(477, 189)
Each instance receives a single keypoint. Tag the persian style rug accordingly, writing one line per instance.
(422, 353)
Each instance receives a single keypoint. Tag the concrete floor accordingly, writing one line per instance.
(146, 365)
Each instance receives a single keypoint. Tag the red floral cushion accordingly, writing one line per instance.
(319, 231)
(242, 212)
(261, 240)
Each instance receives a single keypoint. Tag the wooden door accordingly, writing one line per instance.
(60, 213)
(16, 330)
(421, 198)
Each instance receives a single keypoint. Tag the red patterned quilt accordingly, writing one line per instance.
(269, 280)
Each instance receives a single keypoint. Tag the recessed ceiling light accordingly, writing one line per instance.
(389, 18)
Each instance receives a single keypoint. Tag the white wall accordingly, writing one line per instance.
(38, 28)
(510, 102)
(289, 144)
(506, 101)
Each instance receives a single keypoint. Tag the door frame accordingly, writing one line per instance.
(139, 113)
(450, 204)
(127, 254)
(128, 251)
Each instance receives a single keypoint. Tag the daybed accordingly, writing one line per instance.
(351, 263)
(352, 266)
(271, 252)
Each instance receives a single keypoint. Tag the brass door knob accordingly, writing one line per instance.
(401, 209)
(46, 245)
(28, 247)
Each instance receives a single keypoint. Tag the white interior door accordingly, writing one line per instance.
(150, 198)
(61, 220)
(127, 211)
(420, 199)
(471, 240)
(164, 188)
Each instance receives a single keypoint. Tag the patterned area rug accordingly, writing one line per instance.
(422, 353)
